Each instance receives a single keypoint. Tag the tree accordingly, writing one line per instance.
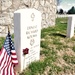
(71, 11)
(61, 11)
(57, 12)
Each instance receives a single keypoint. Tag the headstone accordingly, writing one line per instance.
(71, 25)
(27, 32)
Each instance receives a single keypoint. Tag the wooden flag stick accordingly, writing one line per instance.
(8, 29)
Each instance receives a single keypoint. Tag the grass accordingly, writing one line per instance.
(1, 41)
(57, 51)
(73, 48)
(54, 41)
(69, 59)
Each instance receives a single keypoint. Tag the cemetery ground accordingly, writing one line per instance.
(57, 56)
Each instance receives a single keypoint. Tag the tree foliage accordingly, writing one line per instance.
(61, 11)
(71, 11)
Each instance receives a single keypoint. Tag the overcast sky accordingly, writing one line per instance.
(66, 4)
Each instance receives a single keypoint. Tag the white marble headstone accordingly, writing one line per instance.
(27, 32)
(71, 25)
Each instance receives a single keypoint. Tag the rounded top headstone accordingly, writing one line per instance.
(26, 10)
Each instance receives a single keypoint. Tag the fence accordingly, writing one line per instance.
(62, 16)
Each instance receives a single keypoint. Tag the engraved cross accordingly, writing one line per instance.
(32, 16)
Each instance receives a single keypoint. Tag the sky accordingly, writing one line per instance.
(66, 4)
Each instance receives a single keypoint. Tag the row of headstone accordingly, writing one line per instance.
(27, 28)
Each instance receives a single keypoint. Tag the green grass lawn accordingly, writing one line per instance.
(57, 56)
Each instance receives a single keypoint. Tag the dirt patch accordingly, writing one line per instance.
(69, 52)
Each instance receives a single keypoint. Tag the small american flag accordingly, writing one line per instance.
(8, 58)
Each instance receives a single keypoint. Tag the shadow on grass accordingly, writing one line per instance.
(58, 34)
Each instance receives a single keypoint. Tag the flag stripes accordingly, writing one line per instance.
(8, 57)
